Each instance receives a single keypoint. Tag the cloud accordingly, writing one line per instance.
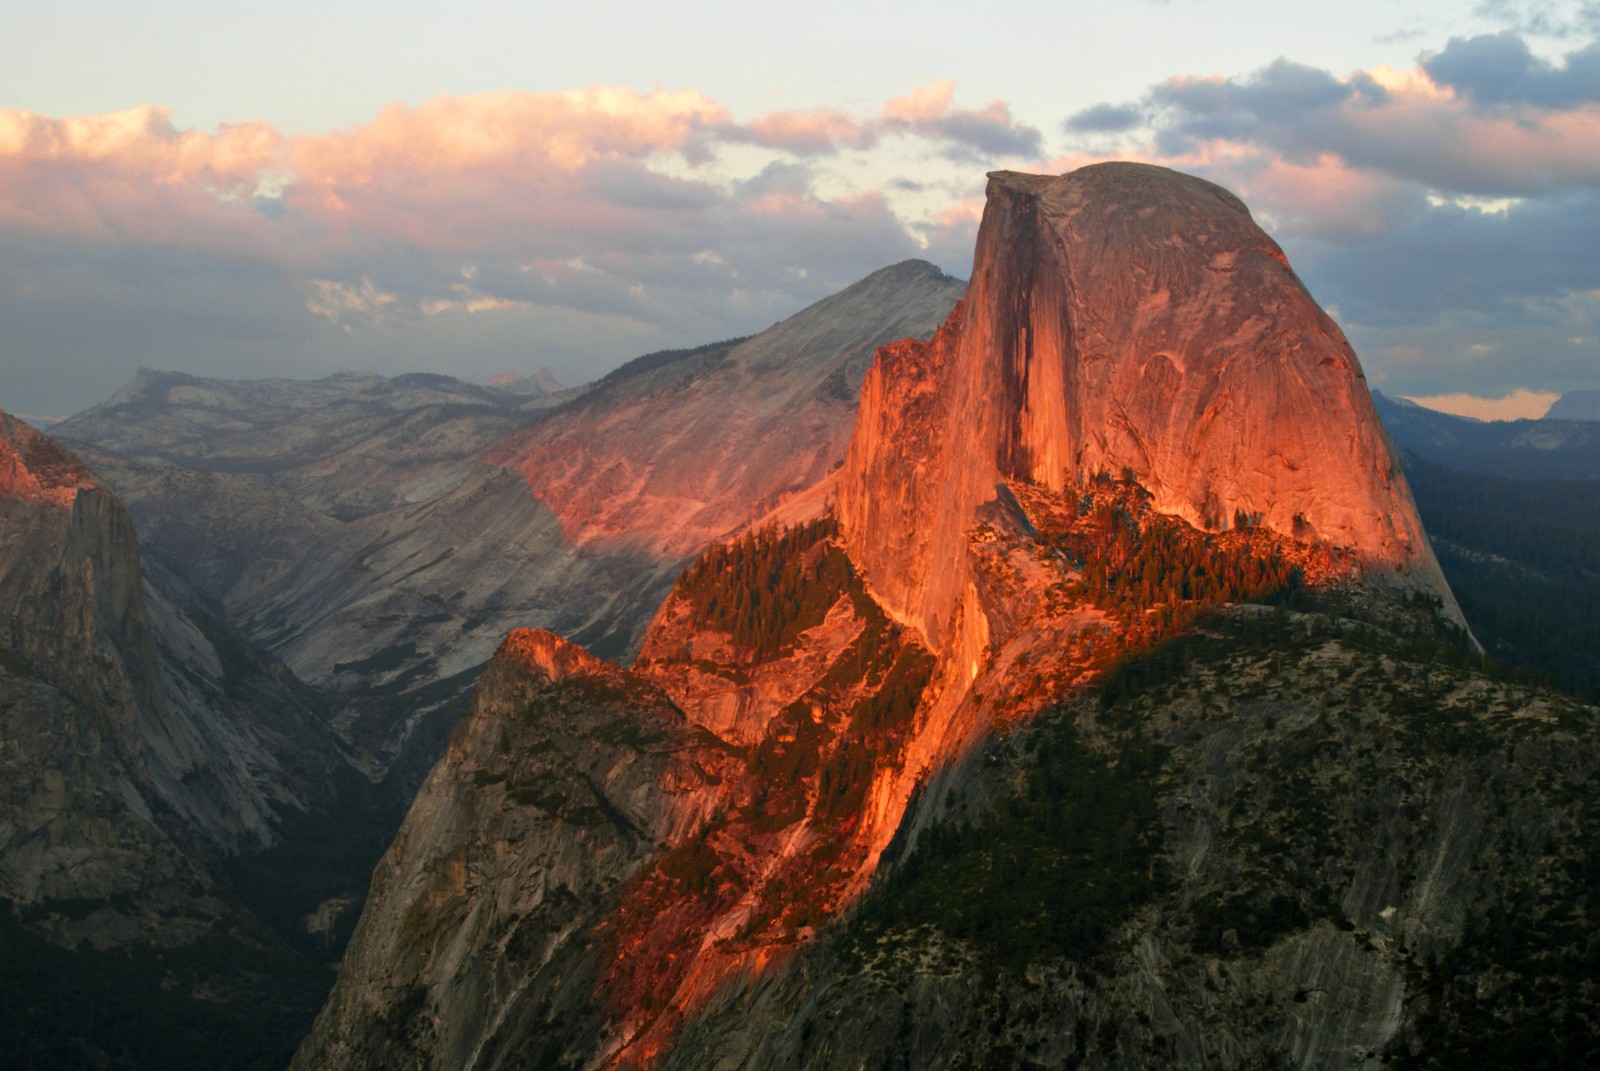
(989, 131)
(926, 112)
(1544, 18)
(493, 132)
(131, 176)
(571, 229)
(142, 140)
(1454, 258)
(952, 234)
(1501, 69)
(1520, 404)
(1105, 119)
(807, 133)
(1282, 92)
(1401, 124)
(452, 174)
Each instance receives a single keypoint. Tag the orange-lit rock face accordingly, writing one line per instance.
(820, 741)
(1122, 317)
(35, 469)
(1010, 491)
(548, 655)
(746, 425)
(810, 695)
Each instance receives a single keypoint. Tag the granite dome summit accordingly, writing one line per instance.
(1123, 317)
(1135, 417)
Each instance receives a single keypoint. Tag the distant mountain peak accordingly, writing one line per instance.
(913, 268)
(750, 422)
(541, 383)
(1575, 405)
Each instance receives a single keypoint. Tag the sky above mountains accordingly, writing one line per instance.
(243, 191)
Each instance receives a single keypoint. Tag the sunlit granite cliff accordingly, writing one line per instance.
(1105, 709)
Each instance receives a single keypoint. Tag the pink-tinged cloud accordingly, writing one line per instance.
(989, 131)
(143, 141)
(807, 133)
(926, 112)
(1326, 197)
(1399, 124)
(952, 233)
(131, 176)
(485, 173)
(1522, 404)
(509, 130)
(1343, 158)
(922, 104)
(1449, 146)
(551, 176)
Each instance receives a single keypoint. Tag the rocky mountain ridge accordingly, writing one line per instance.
(621, 467)
(347, 445)
(993, 768)
(1550, 448)
(404, 529)
(1575, 405)
(146, 748)
(79, 618)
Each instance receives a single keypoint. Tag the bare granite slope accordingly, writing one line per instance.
(382, 536)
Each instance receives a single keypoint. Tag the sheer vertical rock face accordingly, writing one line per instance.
(779, 738)
(71, 607)
(73, 638)
(1122, 317)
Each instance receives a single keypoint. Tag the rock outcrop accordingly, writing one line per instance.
(78, 675)
(201, 740)
(947, 695)
(1290, 840)
(476, 949)
(630, 828)
(144, 749)
(1122, 318)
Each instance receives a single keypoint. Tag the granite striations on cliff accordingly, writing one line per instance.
(1114, 715)
(1122, 318)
